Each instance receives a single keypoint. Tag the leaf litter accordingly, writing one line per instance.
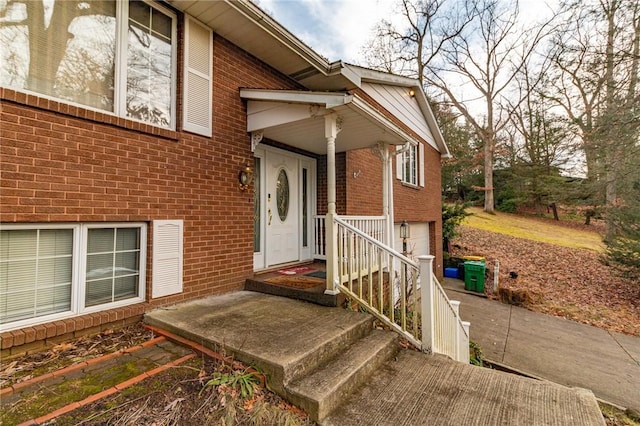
(566, 282)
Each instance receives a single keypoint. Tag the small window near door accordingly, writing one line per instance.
(282, 195)
(305, 208)
(256, 206)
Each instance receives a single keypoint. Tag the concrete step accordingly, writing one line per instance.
(283, 338)
(323, 389)
(419, 389)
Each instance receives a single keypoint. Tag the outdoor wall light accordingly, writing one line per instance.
(245, 177)
(404, 230)
(404, 234)
(412, 93)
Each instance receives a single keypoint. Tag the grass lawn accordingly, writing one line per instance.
(533, 229)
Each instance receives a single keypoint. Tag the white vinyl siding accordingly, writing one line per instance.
(397, 101)
(54, 271)
(167, 257)
(198, 63)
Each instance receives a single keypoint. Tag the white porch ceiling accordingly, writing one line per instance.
(298, 119)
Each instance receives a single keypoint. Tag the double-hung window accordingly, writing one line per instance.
(410, 164)
(53, 271)
(117, 57)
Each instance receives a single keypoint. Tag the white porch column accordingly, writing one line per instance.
(390, 203)
(330, 132)
(381, 150)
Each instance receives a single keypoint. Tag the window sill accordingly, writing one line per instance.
(60, 107)
(410, 185)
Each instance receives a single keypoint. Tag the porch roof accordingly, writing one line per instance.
(296, 118)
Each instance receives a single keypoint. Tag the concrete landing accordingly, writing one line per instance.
(331, 363)
(281, 336)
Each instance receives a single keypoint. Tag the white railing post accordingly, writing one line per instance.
(426, 301)
(455, 304)
(465, 342)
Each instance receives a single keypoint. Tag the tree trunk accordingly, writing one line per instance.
(554, 208)
(47, 44)
(488, 179)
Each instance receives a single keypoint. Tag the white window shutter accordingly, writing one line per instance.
(399, 162)
(198, 69)
(421, 164)
(167, 257)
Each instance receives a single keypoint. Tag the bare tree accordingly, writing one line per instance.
(595, 81)
(487, 57)
(67, 49)
(48, 38)
(478, 46)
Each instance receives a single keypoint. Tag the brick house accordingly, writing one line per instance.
(158, 152)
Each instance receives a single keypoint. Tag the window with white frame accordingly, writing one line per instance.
(410, 165)
(54, 271)
(118, 57)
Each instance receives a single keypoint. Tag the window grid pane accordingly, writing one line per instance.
(410, 163)
(112, 274)
(35, 273)
(149, 65)
(66, 53)
(70, 51)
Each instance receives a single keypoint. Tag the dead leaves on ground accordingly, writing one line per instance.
(67, 353)
(566, 282)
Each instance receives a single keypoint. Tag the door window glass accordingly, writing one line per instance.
(282, 195)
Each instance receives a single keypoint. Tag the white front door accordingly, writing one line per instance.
(282, 209)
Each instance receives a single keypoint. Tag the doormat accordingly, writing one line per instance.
(317, 274)
(296, 270)
(295, 282)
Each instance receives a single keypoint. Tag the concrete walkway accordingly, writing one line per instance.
(559, 350)
(334, 365)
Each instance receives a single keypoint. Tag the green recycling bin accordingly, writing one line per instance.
(474, 275)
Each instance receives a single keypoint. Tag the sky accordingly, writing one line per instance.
(338, 29)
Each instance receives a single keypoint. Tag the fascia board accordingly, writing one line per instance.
(328, 100)
(273, 28)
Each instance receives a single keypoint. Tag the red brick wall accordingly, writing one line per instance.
(423, 204)
(362, 194)
(420, 204)
(364, 183)
(65, 164)
(341, 184)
